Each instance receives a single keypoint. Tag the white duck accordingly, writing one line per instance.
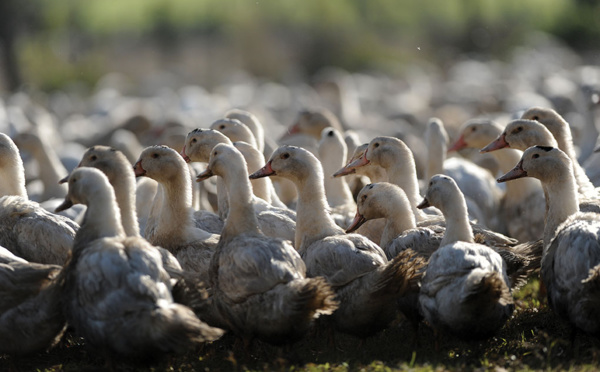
(571, 260)
(372, 229)
(393, 155)
(117, 295)
(198, 145)
(252, 122)
(332, 154)
(175, 228)
(523, 204)
(237, 131)
(478, 186)
(366, 283)
(31, 316)
(522, 134)
(259, 283)
(115, 165)
(26, 229)
(465, 289)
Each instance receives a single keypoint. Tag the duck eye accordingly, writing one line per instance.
(285, 156)
(536, 118)
(222, 126)
(93, 157)
(535, 156)
(473, 129)
(518, 130)
(376, 144)
(364, 197)
(155, 156)
(430, 183)
(215, 153)
(194, 140)
(330, 134)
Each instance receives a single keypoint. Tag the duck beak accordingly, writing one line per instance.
(65, 205)
(497, 144)
(138, 169)
(424, 204)
(204, 175)
(458, 145)
(513, 174)
(263, 172)
(63, 180)
(362, 161)
(344, 171)
(184, 156)
(358, 221)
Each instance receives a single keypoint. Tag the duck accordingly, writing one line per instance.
(252, 122)
(332, 154)
(372, 229)
(175, 228)
(271, 222)
(237, 131)
(26, 229)
(312, 121)
(115, 165)
(523, 205)
(117, 294)
(367, 285)
(465, 289)
(393, 155)
(31, 316)
(388, 202)
(570, 267)
(479, 187)
(198, 145)
(259, 283)
(522, 134)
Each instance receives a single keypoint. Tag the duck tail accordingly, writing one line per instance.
(318, 297)
(521, 261)
(490, 289)
(175, 328)
(400, 275)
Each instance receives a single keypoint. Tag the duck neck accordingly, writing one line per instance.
(562, 201)
(12, 180)
(124, 186)
(458, 227)
(519, 189)
(404, 174)
(313, 221)
(241, 217)
(398, 219)
(176, 213)
(564, 140)
(222, 198)
(101, 220)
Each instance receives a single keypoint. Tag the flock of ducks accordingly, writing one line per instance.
(271, 237)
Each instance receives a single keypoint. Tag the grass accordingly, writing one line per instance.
(534, 339)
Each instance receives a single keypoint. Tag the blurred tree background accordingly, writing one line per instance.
(50, 44)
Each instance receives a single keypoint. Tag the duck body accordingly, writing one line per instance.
(31, 315)
(367, 285)
(465, 288)
(259, 283)
(570, 265)
(464, 291)
(571, 271)
(31, 232)
(117, 294)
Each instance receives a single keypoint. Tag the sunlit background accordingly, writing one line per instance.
(50, 44)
